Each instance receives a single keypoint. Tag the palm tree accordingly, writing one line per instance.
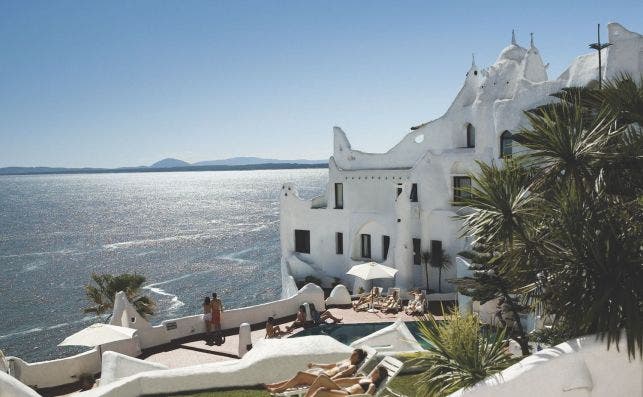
(566, 217)
(587, 148)
(103, 292)
(492, 282)
(440, 261)
(459, 354)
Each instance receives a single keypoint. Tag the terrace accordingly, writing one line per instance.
(194, 350)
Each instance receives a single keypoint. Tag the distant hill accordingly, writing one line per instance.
(170, 163)
(175, 165)
(257, 160)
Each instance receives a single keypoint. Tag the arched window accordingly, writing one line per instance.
(506, 140)
(471, 136)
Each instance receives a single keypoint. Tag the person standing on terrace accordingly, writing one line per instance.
(217, 309)
(207, 315)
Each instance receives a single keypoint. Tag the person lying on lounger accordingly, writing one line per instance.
(321, 316)
(326, 387)
(391, 303)
(416, 305)
(341, 369)
(364, 301)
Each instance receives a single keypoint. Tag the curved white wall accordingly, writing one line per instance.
(580, 367)
(66, 370)
(270, 360)
(11, 387)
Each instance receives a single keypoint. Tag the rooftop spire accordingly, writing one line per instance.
(473, 60)
(513, 37)
(532, 40)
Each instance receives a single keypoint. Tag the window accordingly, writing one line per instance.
(339, 196)
(460, 184)
(506, 140)
(436, 251)
(386, 242)
(366, 246)
(417, 251)
(471, 136)
(399, 189)
(414, 193)
(339, 243)
(302, 241)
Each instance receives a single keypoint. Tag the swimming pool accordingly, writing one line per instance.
(349, 333)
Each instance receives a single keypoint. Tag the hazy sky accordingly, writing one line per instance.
(118, 83)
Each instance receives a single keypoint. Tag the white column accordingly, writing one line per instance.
(245, 339)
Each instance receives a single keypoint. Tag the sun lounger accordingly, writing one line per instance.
(361, 371)
(394, 366)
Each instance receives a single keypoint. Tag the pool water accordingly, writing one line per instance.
(349, 333)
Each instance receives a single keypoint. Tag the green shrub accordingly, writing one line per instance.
(459, 356)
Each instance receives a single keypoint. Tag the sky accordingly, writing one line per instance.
(127, 83)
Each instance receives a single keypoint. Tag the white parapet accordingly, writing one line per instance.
(270, 360)
(579, 367)
(116, 366)
(67, 370)
(12, 387)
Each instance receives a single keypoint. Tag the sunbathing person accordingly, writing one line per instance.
(272, 330)
(391, 303)
(326, 387)
(319, 317)
(341, 369)
(364, 301)
(299, 321)
(416, 306)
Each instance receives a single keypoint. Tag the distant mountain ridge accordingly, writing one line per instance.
(169, 163)
(172, 164)
(257, 160)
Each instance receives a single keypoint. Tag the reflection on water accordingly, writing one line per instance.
(189, 233)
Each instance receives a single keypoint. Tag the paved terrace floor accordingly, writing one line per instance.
(196, 352)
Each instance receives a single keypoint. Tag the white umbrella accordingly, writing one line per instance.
(372, 270)
(98, 334)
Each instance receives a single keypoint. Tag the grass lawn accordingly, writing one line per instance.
(402, 384)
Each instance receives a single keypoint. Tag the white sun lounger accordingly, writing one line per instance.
(393, 365)
(300, 391)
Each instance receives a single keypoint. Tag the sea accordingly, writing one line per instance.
(189, 233)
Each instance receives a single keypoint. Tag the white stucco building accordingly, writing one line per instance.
(390, 207)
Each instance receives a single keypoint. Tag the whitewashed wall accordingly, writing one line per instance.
(580, 367)
(66, 370)
(492, 100)
(270, 360)
(12, 387)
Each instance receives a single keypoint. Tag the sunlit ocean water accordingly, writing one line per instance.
(189, 233)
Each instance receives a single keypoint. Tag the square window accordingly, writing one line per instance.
(460, 186)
